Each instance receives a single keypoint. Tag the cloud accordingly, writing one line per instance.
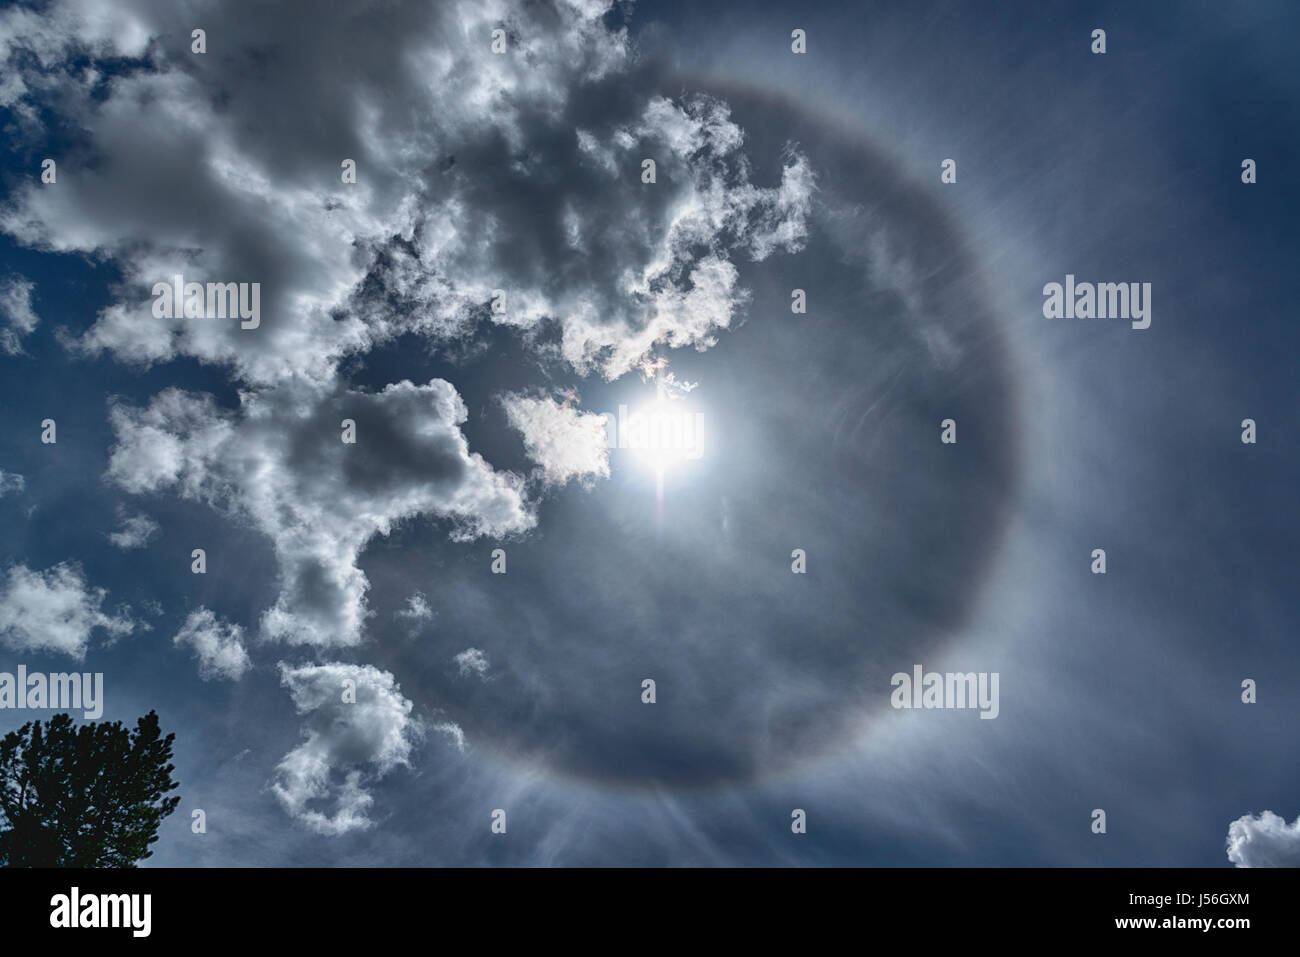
(599, 267)
(36, 47)
(136, 531)
(11, 482)
(16, 316)
(280, 464)
(54, 610)
(1264, 841)
(452, 730)
(476, 172)
(218, 645)
(417, 608)
(348, 744)
(563, 441)
(471, 661)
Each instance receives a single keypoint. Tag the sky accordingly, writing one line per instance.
(444, 548)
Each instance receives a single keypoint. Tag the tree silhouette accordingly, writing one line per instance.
(88, 796)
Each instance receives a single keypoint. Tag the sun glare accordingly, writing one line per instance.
(664, 434)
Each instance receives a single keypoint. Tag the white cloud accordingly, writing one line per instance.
(136, 531)
(452, 730)
(45, 36)
(281, 465)
(16, 316)
(211, 173)
(472, 661)
(637, 267)
(1264, 841)
(417, 608)
(346, 745)
(220, 176)
(11, 482)
(565, 442)
(218, 645)
(54, 610)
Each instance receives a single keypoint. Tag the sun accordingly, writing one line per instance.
(665, 434)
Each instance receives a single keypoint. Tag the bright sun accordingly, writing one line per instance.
(664, 434)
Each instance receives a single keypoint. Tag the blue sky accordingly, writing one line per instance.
(371, 563)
